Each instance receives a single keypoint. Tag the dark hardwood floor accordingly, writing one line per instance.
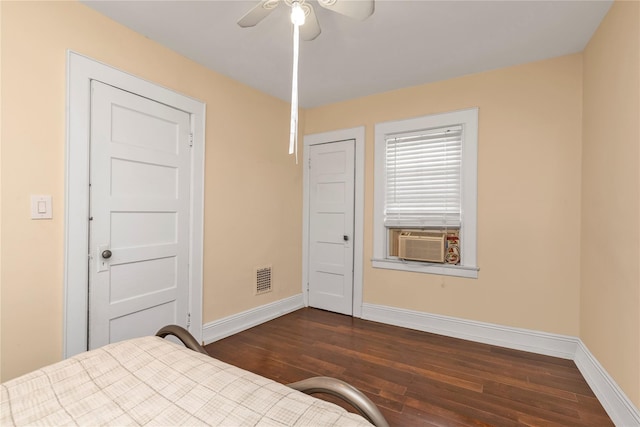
(417, 378)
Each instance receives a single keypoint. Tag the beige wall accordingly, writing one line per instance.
(610, 294)
(529, 194)
(253, 188)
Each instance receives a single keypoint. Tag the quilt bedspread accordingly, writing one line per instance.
(152, 381)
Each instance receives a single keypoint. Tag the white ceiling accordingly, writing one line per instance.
(404, 43)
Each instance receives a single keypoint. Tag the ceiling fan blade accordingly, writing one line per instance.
(311, 29)
(258, 13)
(358, 9)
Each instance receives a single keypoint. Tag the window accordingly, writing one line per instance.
(426, 194)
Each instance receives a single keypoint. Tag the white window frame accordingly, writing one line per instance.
(468, 118)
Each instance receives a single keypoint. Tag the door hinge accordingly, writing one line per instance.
(188, 320)
(309, 162)
(190, 140)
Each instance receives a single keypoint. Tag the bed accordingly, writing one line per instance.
(153, 381)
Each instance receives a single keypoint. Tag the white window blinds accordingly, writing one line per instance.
(423, 176)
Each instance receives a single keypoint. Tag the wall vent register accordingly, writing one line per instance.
(263, 280)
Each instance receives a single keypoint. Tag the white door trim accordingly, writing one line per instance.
(80, 71)
(356, 134)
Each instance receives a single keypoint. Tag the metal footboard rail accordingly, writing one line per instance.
(183, 335)
(346, 392)
(328, 385)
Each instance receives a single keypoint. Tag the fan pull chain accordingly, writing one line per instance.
(293, 135)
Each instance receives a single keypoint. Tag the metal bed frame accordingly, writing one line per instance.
(328, 385)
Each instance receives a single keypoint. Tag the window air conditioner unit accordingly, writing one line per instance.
(422, 246)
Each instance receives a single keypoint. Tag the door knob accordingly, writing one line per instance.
(345, 238)
(106, 254)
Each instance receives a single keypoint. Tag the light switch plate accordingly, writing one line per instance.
(41, 207)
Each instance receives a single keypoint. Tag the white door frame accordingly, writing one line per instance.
(357, 134)
(80, 71)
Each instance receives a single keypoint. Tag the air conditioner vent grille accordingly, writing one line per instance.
(422, 246)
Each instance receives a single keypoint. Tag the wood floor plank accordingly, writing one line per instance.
(417, 378)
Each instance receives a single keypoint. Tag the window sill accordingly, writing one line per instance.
(420, 267)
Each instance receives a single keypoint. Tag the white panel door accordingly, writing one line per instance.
(331, 208)
(140, 219)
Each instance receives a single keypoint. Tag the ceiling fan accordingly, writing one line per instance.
(357, 9)
(305, 26)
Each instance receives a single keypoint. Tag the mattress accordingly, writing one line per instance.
(152, 381)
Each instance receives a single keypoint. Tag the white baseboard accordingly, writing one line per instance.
(622, 411)
(610, 395)
(222, 328)
(487, 333)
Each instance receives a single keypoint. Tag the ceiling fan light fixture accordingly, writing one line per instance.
(300, 9)
(297, 13)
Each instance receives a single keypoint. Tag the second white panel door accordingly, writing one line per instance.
(331, 225)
